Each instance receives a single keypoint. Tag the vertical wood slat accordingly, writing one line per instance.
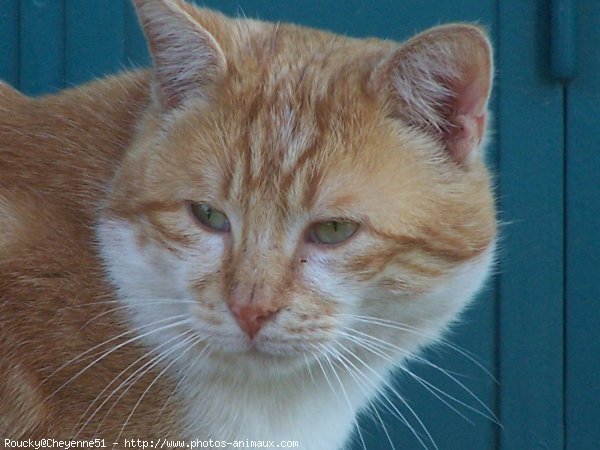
(9, 41)
(136, 49)
(583, 239)
(95, 42)
(42, 46)
(530, 134)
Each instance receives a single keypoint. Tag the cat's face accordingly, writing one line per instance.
(280, 208)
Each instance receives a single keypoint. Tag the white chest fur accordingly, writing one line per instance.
(302, 409)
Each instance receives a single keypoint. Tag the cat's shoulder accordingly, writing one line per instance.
(10, 100)
(61, 146)
(118, 98)
(10, 97)
(54, 141)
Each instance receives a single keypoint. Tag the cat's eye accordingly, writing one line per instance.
(210, 217)
(333, 231)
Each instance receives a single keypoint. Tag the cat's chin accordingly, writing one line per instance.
(255, 364)
(260, 357)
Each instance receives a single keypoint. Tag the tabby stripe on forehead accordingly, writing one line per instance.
(227, 180)
(311, 188)
(308, 155)
(246, 138)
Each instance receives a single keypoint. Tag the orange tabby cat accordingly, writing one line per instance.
(244, 242)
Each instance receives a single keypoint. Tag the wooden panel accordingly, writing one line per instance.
(530, 136)
(136, 52)
(42, 46)
(583, 242)
(9, 41)
(95, 41)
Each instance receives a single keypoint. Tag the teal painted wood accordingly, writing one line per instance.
(136, 52)
(582, 239)
(564, 36)
(9, 41)
(42, 46)
(95, 39)
(530, 135)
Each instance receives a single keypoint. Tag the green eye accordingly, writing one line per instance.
(333, 231)
(210, 217)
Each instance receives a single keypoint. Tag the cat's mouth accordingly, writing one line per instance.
(265, 347)
(262, 357)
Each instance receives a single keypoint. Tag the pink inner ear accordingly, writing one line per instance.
(440, 82)
(468, 121)
(466, 134)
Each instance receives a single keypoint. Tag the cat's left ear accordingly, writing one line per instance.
(188, 61)
(440, 82)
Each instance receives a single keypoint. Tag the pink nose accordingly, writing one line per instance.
(252, 317)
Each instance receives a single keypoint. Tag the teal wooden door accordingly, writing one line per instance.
(526, 353)
(582, 243)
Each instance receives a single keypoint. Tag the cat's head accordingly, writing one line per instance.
(291, 192)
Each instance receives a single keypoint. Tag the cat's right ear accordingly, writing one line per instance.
(188, 61)
(439, 82)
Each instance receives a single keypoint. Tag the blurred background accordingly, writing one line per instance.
(527, 353)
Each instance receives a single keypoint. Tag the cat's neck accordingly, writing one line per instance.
(317, 411)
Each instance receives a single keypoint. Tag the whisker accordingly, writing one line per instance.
(391, 388)
(374, 350)
(383, 344)
(372, 405)
(328, 360)
(434, 366)
(389, 405)
(325, 374)
(309, 369)
(113, 338)
(104, 313)
(411, 329)
(115, 348)
(153, 302)
(381, 421)
(194, 341)
(144, 356)
(138, 375)
(434, 391)
(180, 382)
(145, 301)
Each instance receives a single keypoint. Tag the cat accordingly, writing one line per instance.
(244, 241)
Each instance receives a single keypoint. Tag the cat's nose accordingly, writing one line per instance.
(251, 317)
